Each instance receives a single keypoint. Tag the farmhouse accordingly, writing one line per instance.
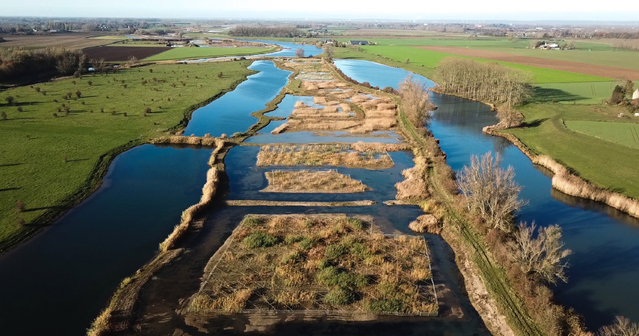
(353, 42)
(635, 95)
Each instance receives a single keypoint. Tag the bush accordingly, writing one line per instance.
(293, 239)
(339, 297)
(252, 221)
(307, 243)
(355, 223)
(335, 251)
(260, 239)
(3, 116)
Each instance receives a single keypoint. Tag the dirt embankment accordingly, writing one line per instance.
(588, 69)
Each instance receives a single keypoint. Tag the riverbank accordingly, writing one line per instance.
(58, 150)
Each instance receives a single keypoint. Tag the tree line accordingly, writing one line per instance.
(486, 82)
(18, 62)
(246, 31)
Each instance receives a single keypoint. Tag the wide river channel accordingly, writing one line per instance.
(57, 282)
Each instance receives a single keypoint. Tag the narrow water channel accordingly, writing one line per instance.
(605, 264)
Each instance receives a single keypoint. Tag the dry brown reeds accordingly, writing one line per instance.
(360, 99)
(316, 263)
(426, 223)
(186, 140)
(299, 105)
(322, 155)
(379, 147)
(307, 181)
(299, 204)
(414, 187)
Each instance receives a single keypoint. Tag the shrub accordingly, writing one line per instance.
(335, 251)
(10, 100)
(355, 223)
(292, 257)
(293, 239)
(20, 206)
(55, 115)
(19, 109)
(219, 75)
(260, 239)
(307, 243)
(3, 116)
(78, 94)
(90, 83)
(339, 297)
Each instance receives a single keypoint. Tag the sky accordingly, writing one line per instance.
(530, 10)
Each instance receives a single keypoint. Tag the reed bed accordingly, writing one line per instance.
(380, 147)
(312, 181)
(337, 155)
(414, 187)
(187, 140)
(329, 263)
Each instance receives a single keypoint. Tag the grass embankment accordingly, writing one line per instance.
(306, 181)
(206, 52)
(605, 164)
(51, 163)
(322, 155)
(321, 262)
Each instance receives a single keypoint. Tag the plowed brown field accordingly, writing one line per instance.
(583, 68)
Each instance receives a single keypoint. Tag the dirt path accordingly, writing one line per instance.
(583, 68)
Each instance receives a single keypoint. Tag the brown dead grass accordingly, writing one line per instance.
(322, 155)
(307, 181)
(414, 188)
(316, 262)
(299, 204)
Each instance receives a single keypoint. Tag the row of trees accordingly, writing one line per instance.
(18, 62)
(487, 82)
(246, 31)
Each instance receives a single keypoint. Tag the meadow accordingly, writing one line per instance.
(626, 134)
(58, 134)
(604, 163)
(205, 52)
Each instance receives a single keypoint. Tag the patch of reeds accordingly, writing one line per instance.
(299, 204)
(329, 263)
(414, 187)
(187, 140)
(307, 181)
(322, 155)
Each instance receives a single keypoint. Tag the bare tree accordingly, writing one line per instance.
(509, 116)
(490, 191)
(543, 255)
(621, 327)
(299, 52)
(329, 52)
(415, 100)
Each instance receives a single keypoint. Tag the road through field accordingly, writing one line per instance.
(588, 69)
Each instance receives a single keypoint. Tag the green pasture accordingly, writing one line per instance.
(626, 134)
(45, 158)
(602, 162)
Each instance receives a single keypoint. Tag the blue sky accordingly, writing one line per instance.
(623, 10)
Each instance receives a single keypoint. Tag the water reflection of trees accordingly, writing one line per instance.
(586, 204)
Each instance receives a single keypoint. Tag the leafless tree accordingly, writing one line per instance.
(621, 327)
(509, 116)
(415, 100)
(543, 255)
(299, 52)
(329, 52)
(490, 191)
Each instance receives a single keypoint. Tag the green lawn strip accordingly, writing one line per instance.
(204, 52)
(430, 59)
(605, 164)
(51, 163)
(574, 93)
(626, 134)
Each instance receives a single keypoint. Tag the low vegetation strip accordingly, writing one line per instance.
(608, 72)
(322, 155)
(307, 181)
(59, 137)
(329, 263)
(626, 134)
(298, 204)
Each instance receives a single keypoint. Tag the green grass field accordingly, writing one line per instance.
(626, 134)
(44, 159)
(604, 163)
(205, 52)
(430, 59)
